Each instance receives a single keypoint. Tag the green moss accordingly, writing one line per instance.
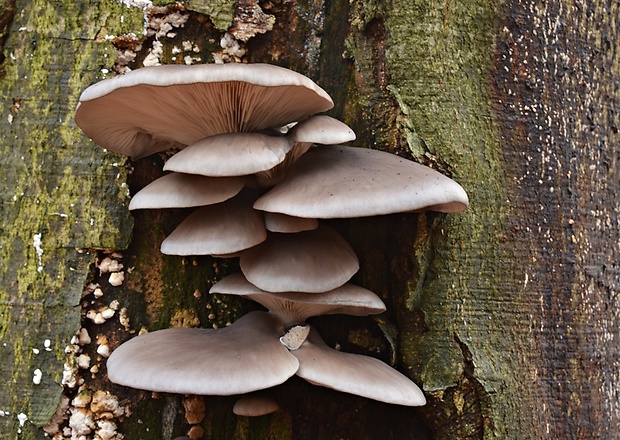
(59, 192)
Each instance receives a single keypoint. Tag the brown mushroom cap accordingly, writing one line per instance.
(310, 261)
(154, 108)
(354, 374)
(176, 190)
(344, 182)
(296, 307)
(224, 228)
(231, 154)
(255, 405)
(245, 357)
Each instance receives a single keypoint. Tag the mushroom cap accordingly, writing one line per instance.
(354, 374)
(224, 228)
(244, 357)
(322, 129)
(154, 108)
(310, 261)
(276, 222)
(177, 190)
(231, 154)
(296, 307)
(255, 405)
(344, 182)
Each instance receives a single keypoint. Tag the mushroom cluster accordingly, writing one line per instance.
(262, 169)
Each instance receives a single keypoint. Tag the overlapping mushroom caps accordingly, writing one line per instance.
(249, 165)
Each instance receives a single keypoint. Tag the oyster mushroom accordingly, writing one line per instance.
(355, 374)
(154, 108)
(244, 357)
(346, 182)
(310, 261)
(294, 307)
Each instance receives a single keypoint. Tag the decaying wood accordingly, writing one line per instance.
(506, 315)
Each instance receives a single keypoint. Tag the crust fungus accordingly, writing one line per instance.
(238, 125)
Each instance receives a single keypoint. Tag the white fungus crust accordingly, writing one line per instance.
(255, 126)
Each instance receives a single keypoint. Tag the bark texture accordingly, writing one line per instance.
(506, 315)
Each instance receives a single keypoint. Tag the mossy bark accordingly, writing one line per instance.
(506, 315)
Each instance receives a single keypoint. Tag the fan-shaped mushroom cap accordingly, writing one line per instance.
(154, 108)
(295, 307)
(310, 261)
(176, 190)
(354, 374)
(343, 182)
(225, 228)
(255, 405)
(231, 154)
(276, 222)
(245, 357)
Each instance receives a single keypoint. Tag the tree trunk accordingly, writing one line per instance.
(505, 315)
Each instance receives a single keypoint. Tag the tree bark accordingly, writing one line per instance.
(506, 315)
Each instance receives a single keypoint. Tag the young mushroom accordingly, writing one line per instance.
(255, 405)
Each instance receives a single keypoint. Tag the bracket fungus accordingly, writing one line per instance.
(249, 166)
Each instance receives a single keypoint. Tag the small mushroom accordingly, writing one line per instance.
(355, 374)
(310, 261)
(294, 307)
(319, 129)
(231, 154)
(176, 190)
(275, 222)
(154, 108)
(245, 357)
(224, 228)
(345, 182)
(255, 405)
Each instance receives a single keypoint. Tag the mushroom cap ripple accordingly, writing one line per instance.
(346, 182)
(177, 190)
(354, 374)
(154, 108)
(295, 307)
(309, 261)
(244, 357)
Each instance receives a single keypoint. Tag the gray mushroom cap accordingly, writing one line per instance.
(224, 228)
(310, 261)
(276, 222)
(345, 182)
(321, 129)
(355, 374)
(231, 154)
(255, 405)
(177, 190)
(244, 357)
(295, 307)
(154, 108)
